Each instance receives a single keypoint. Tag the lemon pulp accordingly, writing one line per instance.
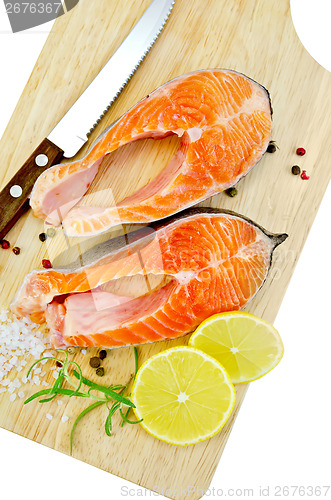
(247, 346)
(183, 396)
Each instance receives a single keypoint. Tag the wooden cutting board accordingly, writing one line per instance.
(251, 36)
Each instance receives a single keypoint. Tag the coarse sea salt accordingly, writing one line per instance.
(19, 338)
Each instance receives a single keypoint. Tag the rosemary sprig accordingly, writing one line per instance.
(125, 417)
(111, 394)
(106, 390)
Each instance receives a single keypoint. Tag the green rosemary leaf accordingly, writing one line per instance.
(114, 395)
(38, 361)
(80, 416)
(58, 382)
(47, 399)
(36, 395)
(108, 423)
(136, 362)
(65, 392)
(69, 379)
(97, 398)
(125, 419)
(117, 387)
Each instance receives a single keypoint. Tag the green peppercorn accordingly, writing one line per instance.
(103, 354)
(100, 371)
(43, 237)
(95, 362)
(232, 192)
(296, 170)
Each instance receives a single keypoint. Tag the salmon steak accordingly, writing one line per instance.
(224, 121)
(214, 261)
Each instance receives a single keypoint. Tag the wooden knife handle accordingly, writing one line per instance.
(14, 196)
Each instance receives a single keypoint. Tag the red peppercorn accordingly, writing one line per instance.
(16, 250)
(301, 151)
(46, 264)
(5, 244)
(304, 175)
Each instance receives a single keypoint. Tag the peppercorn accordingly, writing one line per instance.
(100, 371)
(304, 175)
(103, 354)
(5, 244)
(42, 237)
(232, 192)
(301, 151)
(95, 362)
(59, 364)
(71, 350)
(271, 148)
(16, 250)
(50, 232)
(296, 170)
(46, 264)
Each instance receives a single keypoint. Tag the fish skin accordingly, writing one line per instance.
(224, 119)
(217, 260)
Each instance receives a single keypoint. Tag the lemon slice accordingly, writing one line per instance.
(247, 346)
(183, 396)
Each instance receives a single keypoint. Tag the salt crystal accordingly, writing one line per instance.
(49, 416)
(83, 351)
(19, 338)
(59, 402)
(12, 397)
(44, 383)
(55, 375)
(21, 395)
(64, 418)
(17, 383)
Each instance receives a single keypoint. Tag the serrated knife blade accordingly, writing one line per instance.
(73, 130)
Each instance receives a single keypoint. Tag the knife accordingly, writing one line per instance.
(74, 129)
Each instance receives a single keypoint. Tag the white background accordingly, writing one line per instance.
(282, 434)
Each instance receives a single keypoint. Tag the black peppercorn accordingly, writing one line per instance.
(296, 170)
(95, 362)
(103, 354)
(59, 364)
(43, 237)
(271, 148)
(100, 371)
(16, 250)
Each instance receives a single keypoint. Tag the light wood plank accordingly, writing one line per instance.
(251, 36)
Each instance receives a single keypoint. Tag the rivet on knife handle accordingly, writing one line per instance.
(14, 196)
